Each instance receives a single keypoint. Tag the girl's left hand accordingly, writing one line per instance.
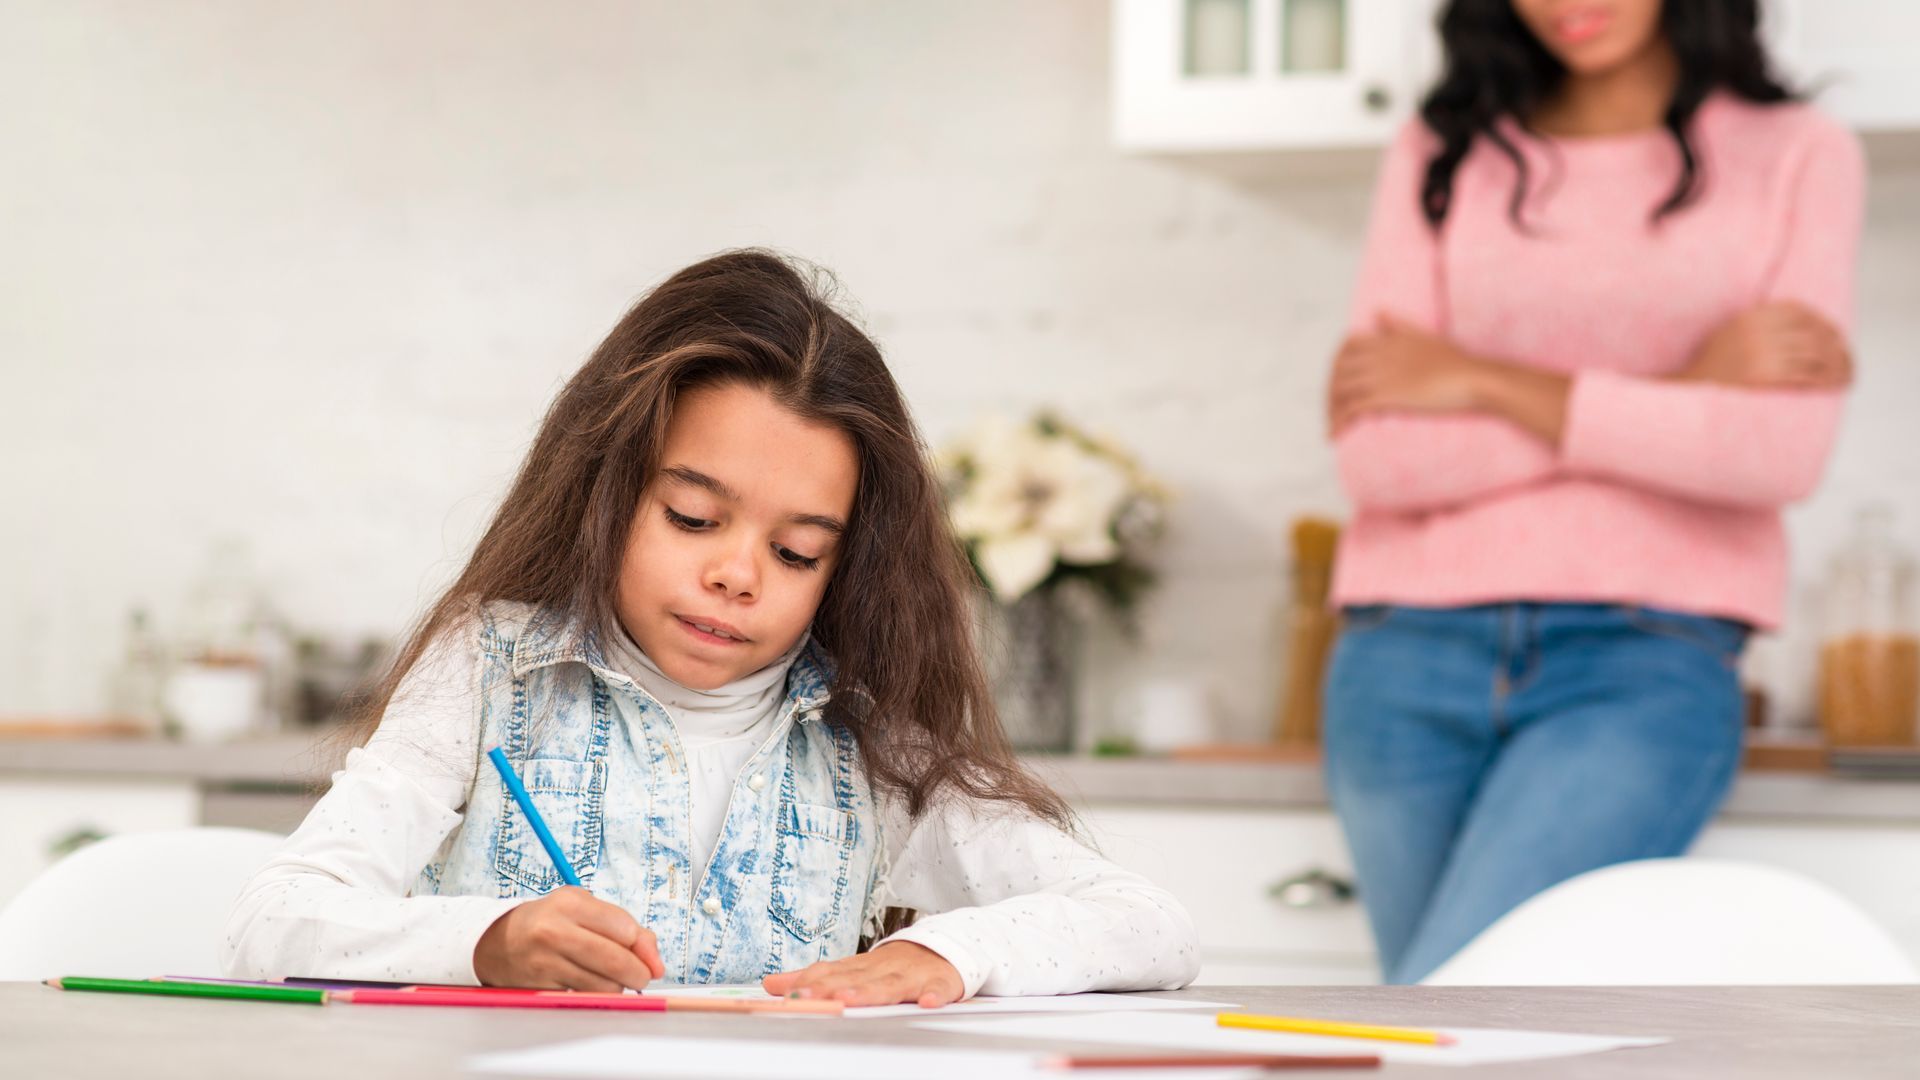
(1400, 368)
(895, 973)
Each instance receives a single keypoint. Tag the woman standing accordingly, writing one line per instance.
(1598, 343)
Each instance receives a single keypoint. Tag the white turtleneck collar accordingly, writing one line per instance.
(725, 712)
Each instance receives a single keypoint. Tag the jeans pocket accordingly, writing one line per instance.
(1359, 618)
(1724, 638)
(810, 868)
(568, 795)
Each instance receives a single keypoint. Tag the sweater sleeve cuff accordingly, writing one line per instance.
(965, 959)
(467, 921)
(1603, 411)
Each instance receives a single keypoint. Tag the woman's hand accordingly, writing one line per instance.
(1400, 368)
(1781, 344)
(895, 973)
(568, 940)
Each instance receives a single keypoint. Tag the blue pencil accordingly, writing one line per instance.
(519, 791)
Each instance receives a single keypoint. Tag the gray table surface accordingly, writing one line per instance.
(1747, 1032)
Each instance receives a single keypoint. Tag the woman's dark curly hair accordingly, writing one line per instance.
(1496, 68)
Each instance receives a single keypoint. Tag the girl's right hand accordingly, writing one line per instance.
(1780, 344)
(568, 940)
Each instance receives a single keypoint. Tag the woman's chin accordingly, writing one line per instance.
(1593, 62)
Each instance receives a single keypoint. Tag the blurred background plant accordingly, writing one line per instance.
(1042, 502)
(1049, 513)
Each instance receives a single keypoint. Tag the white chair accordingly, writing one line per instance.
(132, 906)
(1681, 922)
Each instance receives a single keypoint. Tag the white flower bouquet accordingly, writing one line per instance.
(1042, 502)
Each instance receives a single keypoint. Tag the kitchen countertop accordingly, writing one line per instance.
(296, 762)
(1298, 785)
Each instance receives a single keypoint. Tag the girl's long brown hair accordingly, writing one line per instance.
(895, 618)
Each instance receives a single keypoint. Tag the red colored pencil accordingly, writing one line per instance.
(503, 998)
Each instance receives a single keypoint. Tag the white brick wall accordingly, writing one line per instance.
(308, 273)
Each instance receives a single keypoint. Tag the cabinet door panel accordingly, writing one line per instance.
(1224, 866)
(1384, 59)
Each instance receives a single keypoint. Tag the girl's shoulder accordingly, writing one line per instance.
(525, 635)
(508, 619)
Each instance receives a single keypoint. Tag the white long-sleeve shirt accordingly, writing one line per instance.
(1014, 904)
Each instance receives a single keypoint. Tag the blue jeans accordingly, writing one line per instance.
(1479, 755)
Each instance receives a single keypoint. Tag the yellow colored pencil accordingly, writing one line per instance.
(1302, 1026)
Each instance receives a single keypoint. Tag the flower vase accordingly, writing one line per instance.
(1032, 659)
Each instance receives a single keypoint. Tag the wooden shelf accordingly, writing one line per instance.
(27, 727)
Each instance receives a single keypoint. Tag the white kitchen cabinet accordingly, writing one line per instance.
(1199, 75)
(1223, 75)
(45, 818)
(1265, 888)
(1262, 885)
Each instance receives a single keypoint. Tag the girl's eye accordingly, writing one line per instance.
(795, 559)
(785, 554)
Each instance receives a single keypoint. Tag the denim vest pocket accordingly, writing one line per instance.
(569, 796)
(810, 867)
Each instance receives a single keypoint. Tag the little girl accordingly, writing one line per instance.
(721, 631)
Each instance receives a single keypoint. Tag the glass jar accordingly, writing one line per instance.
(1870, 648)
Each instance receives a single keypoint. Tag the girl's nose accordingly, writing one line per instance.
(734, 572)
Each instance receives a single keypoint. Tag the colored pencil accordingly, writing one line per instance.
(343, 984)
(503, 998)
(1201, 1061)
(1302, 1026)
(231, 991)
(512, 998)
(519, 790)
(310, 984)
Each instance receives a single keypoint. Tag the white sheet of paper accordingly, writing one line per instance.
(1065, 1003)
(617, 1057)
(1477, 1046)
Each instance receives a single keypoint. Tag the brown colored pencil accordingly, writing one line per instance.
(1195, 1061)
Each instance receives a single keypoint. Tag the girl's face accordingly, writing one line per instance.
(1592, 37)
(736, 537)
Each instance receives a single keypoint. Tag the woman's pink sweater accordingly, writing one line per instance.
(1662, 493)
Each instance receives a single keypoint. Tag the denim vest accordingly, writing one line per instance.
(794, 868)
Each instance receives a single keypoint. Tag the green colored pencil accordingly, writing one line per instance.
(299, 995)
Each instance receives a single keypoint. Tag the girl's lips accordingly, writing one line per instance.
(1581, 25)
(707, 635)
